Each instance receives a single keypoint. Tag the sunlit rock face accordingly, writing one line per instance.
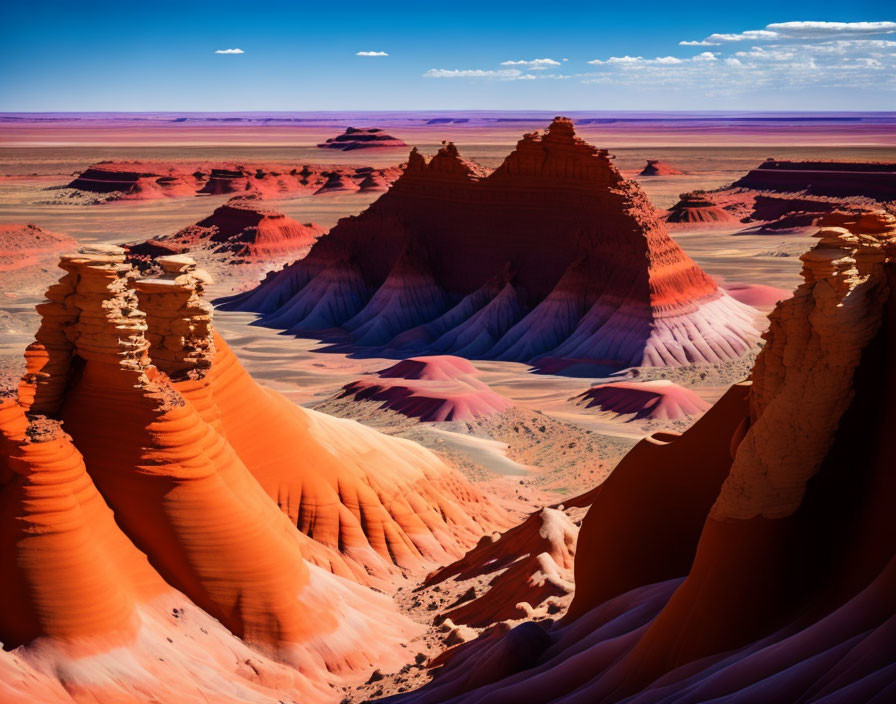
(552, 257)
(752, 557)
(158, 506)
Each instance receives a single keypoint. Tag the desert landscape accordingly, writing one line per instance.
(476, 406)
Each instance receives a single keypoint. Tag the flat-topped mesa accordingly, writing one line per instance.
(823, 178)
(553, 256)
(361, 138)
(179, 319)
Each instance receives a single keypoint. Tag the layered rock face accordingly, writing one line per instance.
(655, 167)
(242, 230)
(153, 180)
(179, 529)
(751, 558)
(202, 479)
(823, 178)
(697, 207)
(361, 138)
(430, 389)
(656, 400)
(553, 255)
(134, 180)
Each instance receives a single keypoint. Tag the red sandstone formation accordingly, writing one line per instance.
(531, 563)
(240, 231)
(784, 196)
(26, 251)
(373, 182)
(656, 400)
(553, 255)
(361, 138)
(134, 180)
(751, 558)
(440, 388)
(371, 503)
(655, 167)
(152, 180)
(698, 207)
(165, 424)
(823, 178)
(337, 182)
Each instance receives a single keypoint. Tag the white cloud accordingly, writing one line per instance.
(749, 35)
(508, 74)
(636, 61)
(815, 30)
(778, 31)
(371, 53)
(619, 60)
(502, 74)
(783, 57)
(534, 64)
(230, 51)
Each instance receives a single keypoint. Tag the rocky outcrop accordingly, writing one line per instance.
(784, 196)
(179, 527)
(654, 400)
(361, 138)
(453, 260)
(27, 252)
(751, 558)
(823, 178)
(416, 510)
(655, 167)
(154, 180)
(430, 389)
(134, 180)
(241, 231)
(698, 207)
(526, 566)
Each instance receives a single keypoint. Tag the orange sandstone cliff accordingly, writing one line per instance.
(142, 537)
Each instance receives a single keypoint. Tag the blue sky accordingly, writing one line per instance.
(79, 56)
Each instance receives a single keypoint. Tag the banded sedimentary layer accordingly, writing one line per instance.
(698, 207)
(127, 180)
(168, 507)
(243, 230)
(361, 138)
(552, 255)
